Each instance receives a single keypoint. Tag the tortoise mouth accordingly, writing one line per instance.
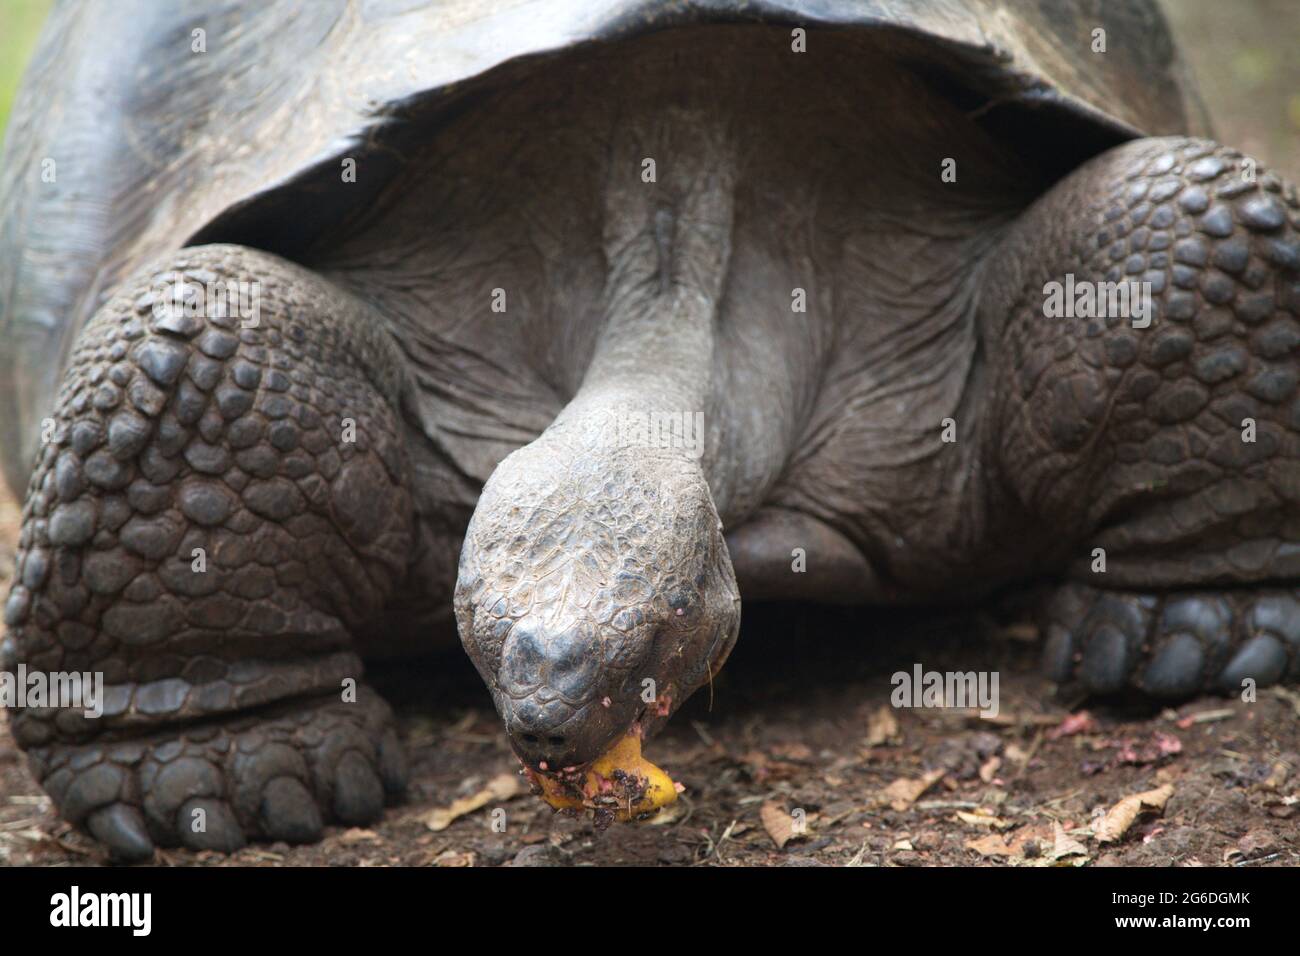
(570, 744)
(563, 770)
(531, 748)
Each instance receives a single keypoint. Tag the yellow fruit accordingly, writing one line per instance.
(621, 785)
(555, 792)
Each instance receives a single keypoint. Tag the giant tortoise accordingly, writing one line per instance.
(575, 322)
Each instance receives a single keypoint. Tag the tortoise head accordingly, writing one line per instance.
(595, 591)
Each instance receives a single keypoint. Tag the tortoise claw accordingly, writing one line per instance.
(289, 812)
(120, 828)
(219, 831)
(358, 794)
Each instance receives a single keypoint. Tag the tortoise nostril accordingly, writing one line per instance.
(529, 738)
(555, 741)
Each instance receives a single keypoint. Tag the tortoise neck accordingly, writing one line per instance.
(667, 246)
(668, 216)
(656, 388)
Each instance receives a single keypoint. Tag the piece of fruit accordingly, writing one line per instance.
(620, 785)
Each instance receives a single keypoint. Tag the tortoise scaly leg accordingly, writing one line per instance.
(1163, 455)
(222, 500)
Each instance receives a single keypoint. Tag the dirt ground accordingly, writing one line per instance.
(801, 720)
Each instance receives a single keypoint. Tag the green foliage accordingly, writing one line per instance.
(20, 24)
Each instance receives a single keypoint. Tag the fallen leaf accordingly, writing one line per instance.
(983, 820)
(1277, 777)
(1031, 842)
(796, 752)
(765, 769)
(1064, 845)
(882, 727)
(503, 787)
(903, 792)
(1080, 723)
(778, 823)
(1121, 816)
(991, 845)
(668, 815)
(1205, 717)
(357, 835)
(990, 768)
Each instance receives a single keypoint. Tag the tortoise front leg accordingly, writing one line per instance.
(222, 499)
(1161, 450)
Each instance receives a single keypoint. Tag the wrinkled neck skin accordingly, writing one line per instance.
(595, 589)
(646, 401)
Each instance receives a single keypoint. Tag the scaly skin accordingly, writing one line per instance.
(177, 433)
(1131, 440)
